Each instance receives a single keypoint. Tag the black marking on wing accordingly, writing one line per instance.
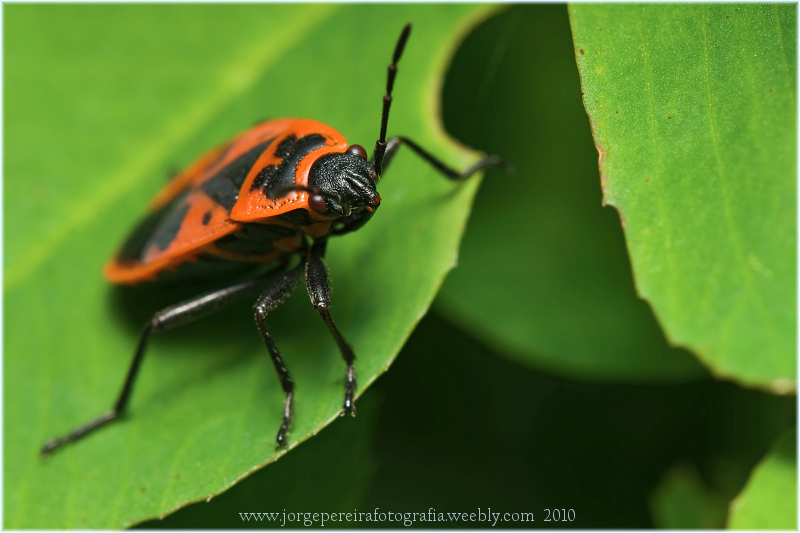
(135, 244)
(266, 176)
(291, 151)
(170, 226)
(224, 187)
(206, 218)
(286, 147)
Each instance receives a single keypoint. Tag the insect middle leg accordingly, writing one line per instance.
(274, 296)
(168, 318)
(319, 291)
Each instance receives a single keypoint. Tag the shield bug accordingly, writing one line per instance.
(275, 193)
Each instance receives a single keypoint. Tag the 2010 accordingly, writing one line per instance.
(560, 515)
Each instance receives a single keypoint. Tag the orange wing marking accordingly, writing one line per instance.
(254, 206)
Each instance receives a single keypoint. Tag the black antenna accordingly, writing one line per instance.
(380, 146)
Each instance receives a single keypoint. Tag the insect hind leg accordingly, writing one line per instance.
(168, 318)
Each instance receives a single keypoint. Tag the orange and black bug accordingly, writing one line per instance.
(275, 192)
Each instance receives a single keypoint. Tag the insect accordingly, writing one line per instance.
(273, 194)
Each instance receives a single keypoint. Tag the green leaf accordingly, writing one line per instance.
(543, 272)
(693, 110)
(769, 500)
(90, 133)
(683, 501)
(330, 473)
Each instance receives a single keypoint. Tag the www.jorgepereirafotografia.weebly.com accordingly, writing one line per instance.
(407, 518)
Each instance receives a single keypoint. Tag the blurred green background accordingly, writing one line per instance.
(539, 380)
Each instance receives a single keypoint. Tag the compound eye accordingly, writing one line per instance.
(317, 203)
(358, 150)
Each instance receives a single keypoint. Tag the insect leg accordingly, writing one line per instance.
(173, 316)
(268, 302)
(319, 291)
(450, 173)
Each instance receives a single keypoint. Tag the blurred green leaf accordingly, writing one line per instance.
(543, 272)
(90, 132)
(693, 109)
(769, 500)
(683, 501)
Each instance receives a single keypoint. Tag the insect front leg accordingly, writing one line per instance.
(268, 302)
(168, 318)
(450, 173)
(319, 291)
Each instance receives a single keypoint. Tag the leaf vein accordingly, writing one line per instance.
(733, 230)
